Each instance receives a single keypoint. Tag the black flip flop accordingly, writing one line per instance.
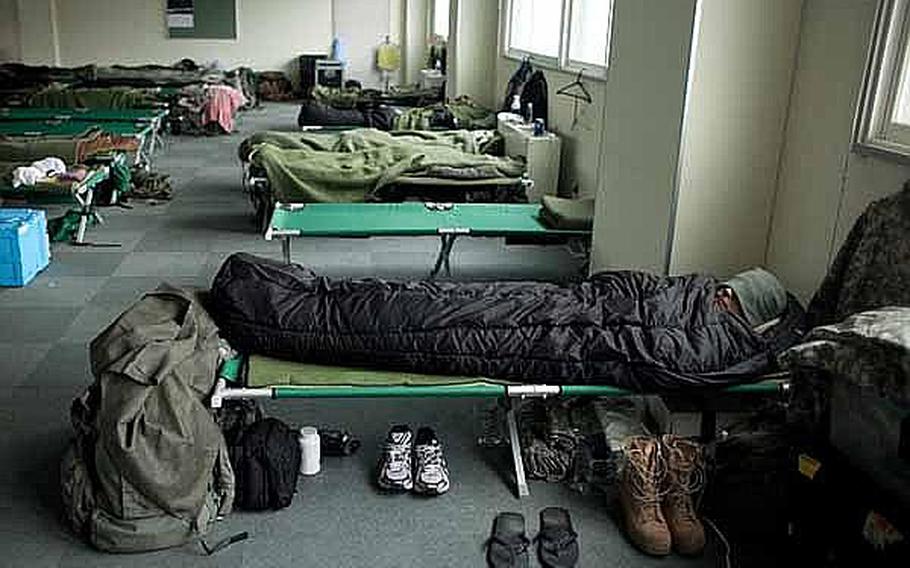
(557, 541)
(508, 545)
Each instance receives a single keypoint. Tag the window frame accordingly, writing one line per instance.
(874, 131)
(562, 62)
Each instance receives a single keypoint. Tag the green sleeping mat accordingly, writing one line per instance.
(410, 219)
(289, 379)
(72, 129)
(19, 114)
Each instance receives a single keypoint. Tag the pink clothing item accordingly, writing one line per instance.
(221, 103)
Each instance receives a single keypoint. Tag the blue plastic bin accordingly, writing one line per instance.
(24, 248)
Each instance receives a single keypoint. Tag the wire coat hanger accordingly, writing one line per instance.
(577, 91)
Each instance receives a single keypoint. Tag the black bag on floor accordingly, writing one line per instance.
(266, 460)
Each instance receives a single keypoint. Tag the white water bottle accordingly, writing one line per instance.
(309, 451)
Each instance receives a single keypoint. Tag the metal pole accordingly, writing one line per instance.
(521, 481)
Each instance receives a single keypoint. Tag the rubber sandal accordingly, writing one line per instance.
(557, 541)
(508, 545)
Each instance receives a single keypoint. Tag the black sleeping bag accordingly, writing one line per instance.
(315, 113)
(628, 329)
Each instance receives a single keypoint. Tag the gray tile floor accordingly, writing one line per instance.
(337, 519)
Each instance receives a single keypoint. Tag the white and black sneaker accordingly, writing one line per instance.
(431, 474)
(396, 460)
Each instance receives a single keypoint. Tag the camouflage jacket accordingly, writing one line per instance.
(872, 268)
(870, 349)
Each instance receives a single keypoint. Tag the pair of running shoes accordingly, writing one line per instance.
(412, 462)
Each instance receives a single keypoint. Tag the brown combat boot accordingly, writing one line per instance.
(685, 476)
(639, 495)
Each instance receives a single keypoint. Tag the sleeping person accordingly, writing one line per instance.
(628, 329)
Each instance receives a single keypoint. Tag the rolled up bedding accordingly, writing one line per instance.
(627, 329)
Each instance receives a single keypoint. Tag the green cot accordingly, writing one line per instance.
(411, 219)
(258, 377)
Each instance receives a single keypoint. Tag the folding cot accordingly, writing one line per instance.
(82, 192)
(141, 132)
(257, 377)
(91, 116)
(411, 219)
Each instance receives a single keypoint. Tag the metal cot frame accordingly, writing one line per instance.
(83, 193)
(510, 395)
(448, 227)
(143, 132)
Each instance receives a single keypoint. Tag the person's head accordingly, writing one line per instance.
(756, 294)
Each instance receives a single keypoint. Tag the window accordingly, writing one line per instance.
(441, 18)
(589, 32)
(884, 118)
(536, 27)
(566, 34)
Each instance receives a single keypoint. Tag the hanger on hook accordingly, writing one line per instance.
(577, 91)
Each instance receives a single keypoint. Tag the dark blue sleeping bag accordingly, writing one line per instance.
(627, 329)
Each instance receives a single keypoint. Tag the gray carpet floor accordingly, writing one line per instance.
(337, 519)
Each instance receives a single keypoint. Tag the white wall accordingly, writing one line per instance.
(361, 25)
(740, 78)
(823, 186)
(270, 33)
(397, 23)
(10, 49)
(37, 32)
(471, 50)
(415, 39)
(645, 94)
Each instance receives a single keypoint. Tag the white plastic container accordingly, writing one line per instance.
(309, 451)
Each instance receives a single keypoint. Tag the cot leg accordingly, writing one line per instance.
(708, 423)
(85, 211)
(80, 232)
(520, 480)
(449, 254)
(442, 259)
(286, 249)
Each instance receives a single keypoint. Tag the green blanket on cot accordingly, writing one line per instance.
(111, 97)
(266, 371)
(359, 164)
(29, 149)
(467, 115)
(470, 141)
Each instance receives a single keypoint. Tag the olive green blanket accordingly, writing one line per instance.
(470, 141)
(266, 371)
(466, 114)
(351, 166)
(111, 98)
(29, 149)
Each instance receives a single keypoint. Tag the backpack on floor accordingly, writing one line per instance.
(148, 468)
(266, 460)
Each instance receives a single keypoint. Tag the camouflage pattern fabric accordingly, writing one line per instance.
(872, 268)
(870, 349)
